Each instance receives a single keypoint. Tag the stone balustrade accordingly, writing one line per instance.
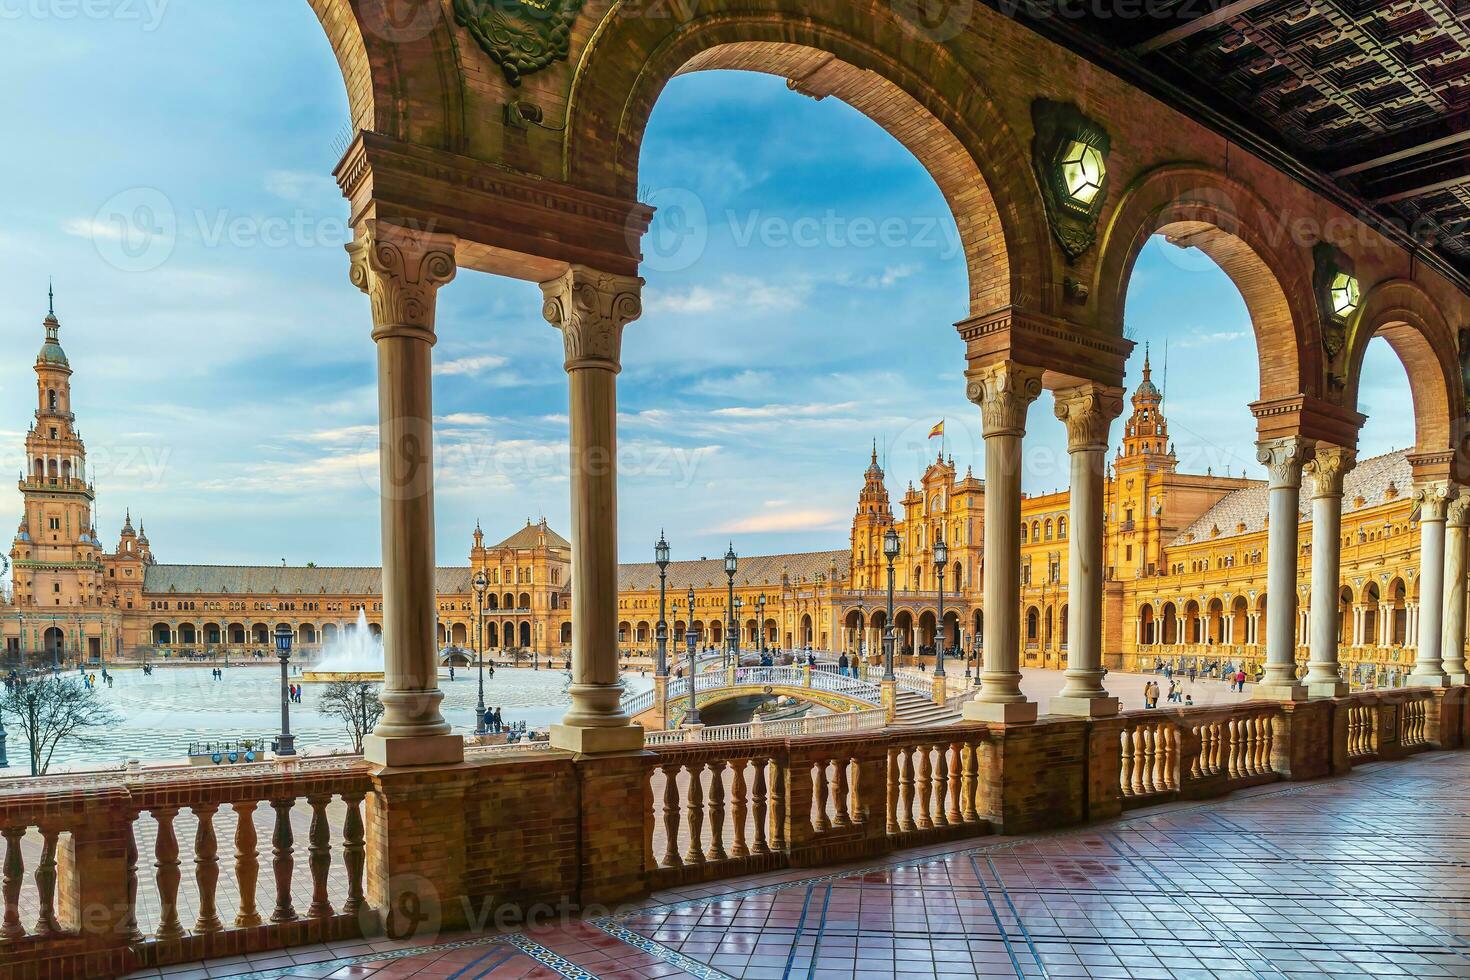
(110, 872)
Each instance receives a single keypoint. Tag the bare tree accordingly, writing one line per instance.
(356, 705)
(52, 710)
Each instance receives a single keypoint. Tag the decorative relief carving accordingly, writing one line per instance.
(1433, 499)
(1004, 391)
(522, 36)
(1458, 512)
(591, 309)
(1089, 411)
(401, 270)
(1328, 467)
(1283, 460)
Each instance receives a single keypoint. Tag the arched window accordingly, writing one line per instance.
(1062, 528)
(51, 399)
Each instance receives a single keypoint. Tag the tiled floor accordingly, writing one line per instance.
(1364, 876)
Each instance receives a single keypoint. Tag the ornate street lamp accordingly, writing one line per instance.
(731, 566)
(692, 718)
(891, 547)
(862, 646)
(760, 605)
(735, 633)
(481, 583)
(661, 558)
(941, 558)
(4, 761)
(362, 690)
(286, 743)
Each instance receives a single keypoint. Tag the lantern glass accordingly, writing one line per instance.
(1345, 295)
(661, 551)
(941, 553)
(890, 544)
(730, 561)
(1082, 172)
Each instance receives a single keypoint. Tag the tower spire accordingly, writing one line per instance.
(50, 297)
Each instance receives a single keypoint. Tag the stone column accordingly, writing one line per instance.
(1452, 646)
(591, 309)
(1283, 460)
(401, 271)
(1433, 500)
(1328, 467)
(1088, 411)
(1004, 391)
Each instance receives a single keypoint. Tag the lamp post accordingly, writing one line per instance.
(890, 552)
(732, 563)
(941, 558)
(760, 606)
(362, 690)
(481, 583)
(661, 558)
(4, 760)
(735, 633)
(692, 718)
(862, 646)
(286, 744)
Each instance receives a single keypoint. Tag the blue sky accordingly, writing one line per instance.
(225, 377)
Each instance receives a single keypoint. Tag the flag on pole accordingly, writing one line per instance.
(938, 430)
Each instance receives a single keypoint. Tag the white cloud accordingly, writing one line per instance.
(818, 410)
(736, 294)
(469, 366)
(473, 419)
(300, 188)
(810, 519)
(1213, 338)
(92, 228)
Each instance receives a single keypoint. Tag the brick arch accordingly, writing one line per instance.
(399, 64)
(1243, 236)
(913, 88)
(1402, 313)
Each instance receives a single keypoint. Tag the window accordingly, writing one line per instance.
(1128, 552)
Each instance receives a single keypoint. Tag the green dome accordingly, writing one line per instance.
(51, 352)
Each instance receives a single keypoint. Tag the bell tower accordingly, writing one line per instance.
(874, 517)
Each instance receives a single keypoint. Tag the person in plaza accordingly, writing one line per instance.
(842, 665)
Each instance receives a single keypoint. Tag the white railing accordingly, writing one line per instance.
(833, 724)
(847, 685)
(636, 704)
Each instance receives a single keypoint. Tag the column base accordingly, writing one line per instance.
(597, 741)
(1427, 680)
(1104, 706)
(1280, 692)
(1458, 680)
(1326, 689)
(419, 750)
(1004, 713)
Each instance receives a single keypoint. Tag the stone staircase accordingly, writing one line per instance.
(915, 709)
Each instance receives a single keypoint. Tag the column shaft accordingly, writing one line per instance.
(1433, 501)
(1452, 646)
(1089, 411)
(401, 271)
(1328, 467)
(590, 309)
(1004, 392)
(1283, 460)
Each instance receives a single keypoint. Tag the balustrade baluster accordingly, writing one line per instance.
(129, 924)
(1140, 759)
(283, 863)
(206, 868)
(952, 813)
(45, 877)
(354, 852)
(716, 808)
(779, 778)
(941, 785)
(841, 793)
(821, 791)
(906, 790)
(760, 806)
(1150, 759)
(247, 864)
(14, 872)
(1125, 770)
(967, 791)
(671, 817)
(890, 802)
(739, 813)
(1236, 748)
(319, 857)
(166, 868)
(1254, 723)
(923, 789)
(694, 814)
(1171, 757)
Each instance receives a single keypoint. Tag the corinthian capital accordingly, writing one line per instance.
(401, 270)
(1089, 411)
(1283, 460)
(1004, 391)
(1327, 468)
(1458, 512)
(591, 309)
(1433, 499)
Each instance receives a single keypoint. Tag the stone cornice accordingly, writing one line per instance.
(512, 223)
(1309, 417)
(1068, 352)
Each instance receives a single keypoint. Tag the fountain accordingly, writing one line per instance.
(356, 655)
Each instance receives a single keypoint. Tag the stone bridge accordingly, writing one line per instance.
(820, 686)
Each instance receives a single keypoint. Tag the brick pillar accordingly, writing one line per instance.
(416, 849)
(1034, 776)
(1104, 768)
(613, 817)
(1303, 740)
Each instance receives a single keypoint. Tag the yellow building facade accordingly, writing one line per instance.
(1185, 572)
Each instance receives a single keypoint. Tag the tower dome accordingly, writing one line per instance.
(51, 352)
